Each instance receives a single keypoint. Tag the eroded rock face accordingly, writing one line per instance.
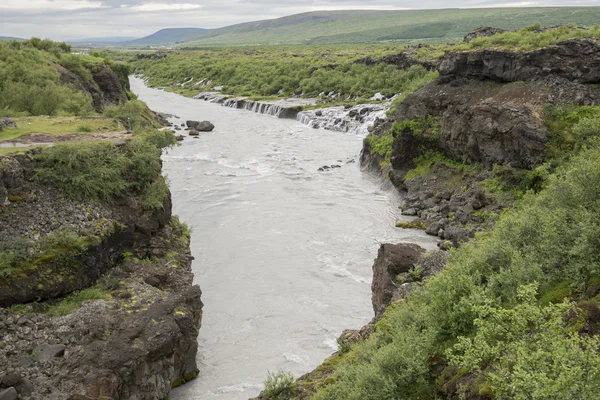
(577, 60)
(33, 210)
(136, 344)
(396, 271)
(105, 88)
(495, 133)
(392, 260)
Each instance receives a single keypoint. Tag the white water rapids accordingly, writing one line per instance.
(283, 252)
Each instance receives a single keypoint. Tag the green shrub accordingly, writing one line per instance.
(428, 127)
(99, 170)
(154, 195)
(278, 383)
(381, 145)
(527, 352)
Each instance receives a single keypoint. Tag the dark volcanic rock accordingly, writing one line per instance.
(495, 133)
(401, 60)
(577, 60)
(201, 126)
(105, 88)
(38, 210)
(483, 31)
(205, 126)
(392, 259)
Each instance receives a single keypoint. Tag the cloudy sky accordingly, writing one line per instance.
(71, 19)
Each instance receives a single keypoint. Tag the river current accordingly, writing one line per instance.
(283, 252)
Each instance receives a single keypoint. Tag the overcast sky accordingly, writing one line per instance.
(71, 19)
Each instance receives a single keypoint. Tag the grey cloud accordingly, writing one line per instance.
(123, 18)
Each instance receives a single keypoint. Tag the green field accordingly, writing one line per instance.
(433, 26)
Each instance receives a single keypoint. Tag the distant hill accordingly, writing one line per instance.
(328, 27)
(101, 40)
(167, 36)
(11, 38)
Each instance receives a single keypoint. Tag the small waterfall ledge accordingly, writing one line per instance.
(355, 120)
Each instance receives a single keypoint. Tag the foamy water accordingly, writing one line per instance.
(283, 252)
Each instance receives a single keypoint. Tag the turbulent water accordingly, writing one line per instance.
(283, 252)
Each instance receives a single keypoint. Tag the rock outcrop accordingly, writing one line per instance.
(397, 268)
(577, 60)
(122, 315)
(105, 87)
(402, 60)
(7, 123)
(36, 211)
(490, 105)
(483, 31)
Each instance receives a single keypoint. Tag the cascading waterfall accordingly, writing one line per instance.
(355, 120)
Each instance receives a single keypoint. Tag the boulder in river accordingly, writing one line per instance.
(201, 126)
(194, 132)
(179, 138)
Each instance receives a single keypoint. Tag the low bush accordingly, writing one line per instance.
(278, 383)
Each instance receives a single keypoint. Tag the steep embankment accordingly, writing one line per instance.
(105, 270)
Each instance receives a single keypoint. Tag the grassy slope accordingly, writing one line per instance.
(374, 26)
(60, 126)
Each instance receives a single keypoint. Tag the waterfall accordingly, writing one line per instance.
(355, 120)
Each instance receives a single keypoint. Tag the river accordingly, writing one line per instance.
(283, 252)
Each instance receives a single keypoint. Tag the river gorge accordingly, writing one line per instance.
(283, 252)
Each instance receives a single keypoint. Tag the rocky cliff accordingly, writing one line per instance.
(102, 303)
(490, 106)
(106, 87)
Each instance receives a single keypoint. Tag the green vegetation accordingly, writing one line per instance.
(428, 162)
(481, 320)
(102, 170)
(277, 71)
(428, 128)
(74, 301)
(60, 247)
(355, 27)
(30, 78)
(60, 126)
(278, 383)
(529, 38)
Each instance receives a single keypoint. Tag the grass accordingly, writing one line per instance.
(60, 126)
(67, 305)
(387, 27)
(427, 163)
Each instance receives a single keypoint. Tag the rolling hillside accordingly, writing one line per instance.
(327, 27)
